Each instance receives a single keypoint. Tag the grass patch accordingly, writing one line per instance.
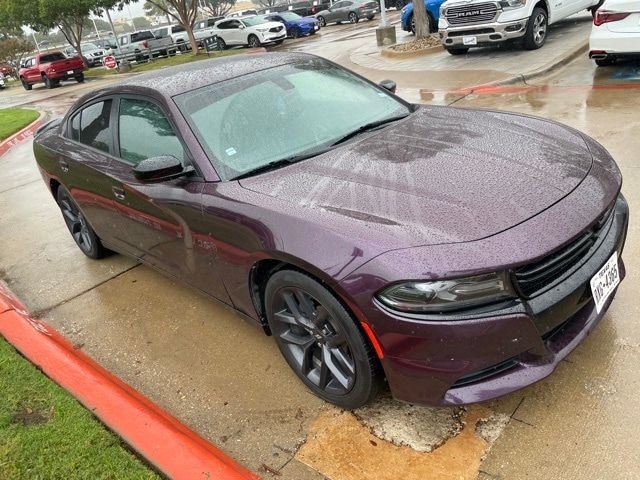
(13, 120)
(163, 62)
(45, 433)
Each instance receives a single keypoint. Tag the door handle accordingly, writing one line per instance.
(118, 193)
(64, 166)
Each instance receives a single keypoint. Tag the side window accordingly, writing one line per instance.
(75, 128)
(145, 132)
(95, 126)
(224, 25)
(235, 24)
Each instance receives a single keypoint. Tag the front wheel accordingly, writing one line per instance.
(221, 44)
(25, 85)
(320, 340)
(79, 78)
(353, 17)
(536, 32)
(80, 230)
(253, 41)
(322, 22)
(295, 33)
(457, 51)
(370, 17)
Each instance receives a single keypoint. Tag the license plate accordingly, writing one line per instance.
(470, 40)
(315, 27)
(70, 72)
(605, 281)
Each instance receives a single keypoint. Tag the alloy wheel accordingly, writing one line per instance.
(539, 28)
(353, 18)
(76, 223)
(314, 342)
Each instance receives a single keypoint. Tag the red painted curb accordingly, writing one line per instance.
(169, 445)
(21, 135)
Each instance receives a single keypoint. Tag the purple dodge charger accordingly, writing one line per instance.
(459, 254)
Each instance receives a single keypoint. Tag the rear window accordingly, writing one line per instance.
(177, 29)
(52, 57)
(140, 36)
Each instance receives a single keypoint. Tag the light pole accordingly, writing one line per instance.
(131, 17)
(383, 14)
(36, 41)
(385, 33)
(96, 28)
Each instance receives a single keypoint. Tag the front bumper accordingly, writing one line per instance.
(460, 359)
(484, 34)
(273, 36)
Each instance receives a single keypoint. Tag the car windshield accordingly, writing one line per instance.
(252, 21)
(290, 16)
(251, 121)
(89, 46)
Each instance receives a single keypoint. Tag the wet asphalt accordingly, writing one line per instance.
(227, 381)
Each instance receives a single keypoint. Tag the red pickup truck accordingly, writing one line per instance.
(51, 68)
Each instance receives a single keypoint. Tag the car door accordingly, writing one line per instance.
(31, 73)
(161, 220)
(343, 15)
(125, 46)
(85, 157)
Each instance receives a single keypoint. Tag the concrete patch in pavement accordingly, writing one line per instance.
(342, 448)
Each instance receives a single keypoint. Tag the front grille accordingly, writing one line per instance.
(475, 31)
(534, 277)
(275, 29)
(485, 372)
(467, 14)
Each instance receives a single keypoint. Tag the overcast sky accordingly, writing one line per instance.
(135, 7)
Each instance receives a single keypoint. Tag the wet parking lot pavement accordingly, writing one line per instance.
(228, 382)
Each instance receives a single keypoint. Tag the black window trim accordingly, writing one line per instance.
(78, 111)
(189, 158)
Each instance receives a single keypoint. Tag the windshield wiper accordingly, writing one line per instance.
(280, 163)
(368, 127)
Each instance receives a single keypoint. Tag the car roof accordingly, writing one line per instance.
(173, 81)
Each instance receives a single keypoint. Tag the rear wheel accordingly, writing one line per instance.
(48, 83)
(322, 22)
(353, 17)
(80, 230)
(536, 32)
(221, 44)
(320, 340)
(79, 78)
(399, 4)
(253, 41)
(457, 51)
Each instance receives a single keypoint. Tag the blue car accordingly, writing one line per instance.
(296, 25)
(433, 13)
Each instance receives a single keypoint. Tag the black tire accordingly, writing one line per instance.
(412, 25)
(253, 41)
(295, 33)
(322, 22)
(536, 33)
(82, 233)
(320, 340)
(25, 85)
(353, 17)
(605, 62)
(79, 78)
(48, 83)
(457, 51)
(399, 4)
(222, 45)
(370, 17)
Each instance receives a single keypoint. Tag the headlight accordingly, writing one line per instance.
(447, 295)
(262, 29)
(404, 9)
(508, 4)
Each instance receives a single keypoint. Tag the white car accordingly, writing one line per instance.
(177, 33)
(92, 53)
(2, 84)
(615, 32)
(252, 31)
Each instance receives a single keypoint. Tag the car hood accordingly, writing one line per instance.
(268, 25)
(443, 175)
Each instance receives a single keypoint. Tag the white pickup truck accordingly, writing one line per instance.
(469, 23)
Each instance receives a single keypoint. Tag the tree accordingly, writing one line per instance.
(421, 19)
(217, 8)
(14, 50)
(266, 3)
(152, 10)
(69, 16)
(141, 23)
(185, 12)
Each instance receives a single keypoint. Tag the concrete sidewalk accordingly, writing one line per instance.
(496, 64)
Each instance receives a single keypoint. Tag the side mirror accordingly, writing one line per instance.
(388, 85)
(241, 27)
(159, 169)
